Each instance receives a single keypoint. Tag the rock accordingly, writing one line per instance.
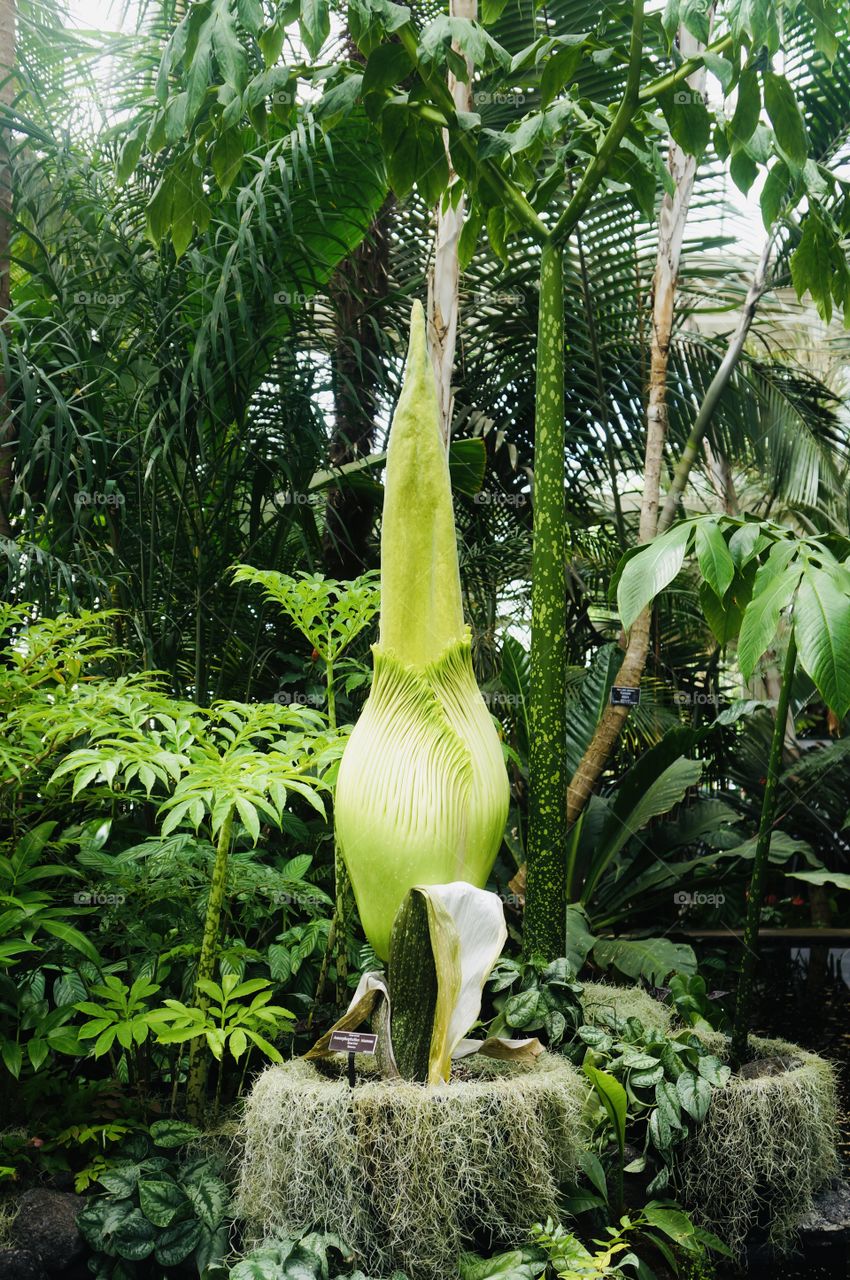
(46, 1226)
(830, 1215)
(20, 1264)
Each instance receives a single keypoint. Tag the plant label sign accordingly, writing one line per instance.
(353, 1042)
(624, 695)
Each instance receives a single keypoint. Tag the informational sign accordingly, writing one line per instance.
(353, 1042)
(624, 695)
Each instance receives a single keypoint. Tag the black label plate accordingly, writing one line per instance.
(625, 695)
(353, 1042)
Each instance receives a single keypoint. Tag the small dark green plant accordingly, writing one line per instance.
(157, 1206)
(690, 998)
(532, 996)
(316, 1256)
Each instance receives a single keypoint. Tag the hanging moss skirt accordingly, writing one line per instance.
(766, 1147)
(407, 1175)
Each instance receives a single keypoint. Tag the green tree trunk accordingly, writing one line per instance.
(8, 429)
(749, 960)
(545, 907)
(197, 1078)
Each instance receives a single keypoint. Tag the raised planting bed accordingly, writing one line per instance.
(766, 1148)
(410, 1175)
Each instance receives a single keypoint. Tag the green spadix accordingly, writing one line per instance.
(422, 795)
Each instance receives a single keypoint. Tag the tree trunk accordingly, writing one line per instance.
(722, 479)
(672, 220)
(207, 960)
(608, 730)
(444, 277)
(749, 961)
(717, 386)
(8, 431)
(545, 916)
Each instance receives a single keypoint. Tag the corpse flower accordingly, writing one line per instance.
(422, 795)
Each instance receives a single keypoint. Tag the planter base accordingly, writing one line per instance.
(408, 1175)
(765, 1149)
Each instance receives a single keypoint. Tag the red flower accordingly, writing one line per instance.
(798, 901)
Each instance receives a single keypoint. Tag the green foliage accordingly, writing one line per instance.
(29, 909)
(32, 1030)
(773, 568)
(694, 1006)
(229, 1021)
(531, 996)
(660, 1229)
(118, 1012)
(114, 756)
(652, 1087)
(316, 1256)
(327, 613)
(155, 1206)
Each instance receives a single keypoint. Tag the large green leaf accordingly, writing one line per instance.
(612, 1095)
(771, 593)
(822, 629)
(651, 958)
(695, 1094)
(715, 560)
(650, 571)
(654, 784)
(840, 879)
(175, 1243)
(161, 1201)
(786, 118)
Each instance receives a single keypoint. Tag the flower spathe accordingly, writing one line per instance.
(422, 795)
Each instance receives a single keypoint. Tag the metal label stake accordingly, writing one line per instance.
(352, 1042)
